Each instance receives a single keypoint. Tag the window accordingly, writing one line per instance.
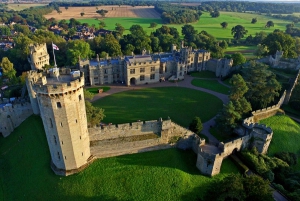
(82, 153)
(152, 69)
(80, 137)
(55, 142)
(105, 71)
(58, 104)
(51, 124)
(65, 157)
(62, 142)
(142, 70)
(105, 77)
(79, 97)
(132, 71)
(142, 77)
(181, 68)
(61, 124)
(58, 156)
(152, 76)
(76, 121)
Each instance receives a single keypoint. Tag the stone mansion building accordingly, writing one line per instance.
(140, 69)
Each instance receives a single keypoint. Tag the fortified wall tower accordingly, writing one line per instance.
(39, 56)
(58, 95)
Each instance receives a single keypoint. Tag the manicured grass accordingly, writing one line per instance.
(286, 135)
(160, 175)
(94, 90)
(227, 81)
(180, 104)
(213, 85)
(204, 74)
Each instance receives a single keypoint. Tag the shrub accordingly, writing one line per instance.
(289, 157)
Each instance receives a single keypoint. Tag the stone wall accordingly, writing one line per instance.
(11, 116)
(290, 91)
(113, 140)
(269, 111)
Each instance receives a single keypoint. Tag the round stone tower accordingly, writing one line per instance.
(62, 108)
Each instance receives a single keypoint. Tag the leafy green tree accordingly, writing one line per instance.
(82, 14)
(94, 114)
(282, 42)
(254, 20)
(227, 119)
(8, 68)
(102, 12)
(238, 32)
(239, 87)
(262, 84)
(269, 24)
(76, 49)
(224, 25)
(153, 24)
(120, 29)
(102, 24)
(188, 31)
(238, 58)
(88, 95)
(215, 14)
(260, 51)
(196, 125)
(111, 45)
(5, 30)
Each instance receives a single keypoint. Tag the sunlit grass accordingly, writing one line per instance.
(213, 85)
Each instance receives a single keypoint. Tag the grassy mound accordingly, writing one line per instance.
(180, 104)
(160, 175)
(213, 85)
(286, 135)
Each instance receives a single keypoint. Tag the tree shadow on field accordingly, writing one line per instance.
(184, 160)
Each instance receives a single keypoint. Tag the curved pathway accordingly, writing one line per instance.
(187, 83)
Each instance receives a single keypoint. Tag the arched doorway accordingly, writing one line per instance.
(132, 81)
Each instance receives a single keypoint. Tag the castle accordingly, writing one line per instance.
(57, 96)
(139, 69)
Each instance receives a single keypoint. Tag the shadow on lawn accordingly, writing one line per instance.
(184, 160)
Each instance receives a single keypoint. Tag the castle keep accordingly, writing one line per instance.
(38, 57)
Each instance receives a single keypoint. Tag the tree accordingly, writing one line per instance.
(282, 42)
(82, 14)
(76, 49)
(5, 31)
(102, 24)
(196, 125)
(224, 25)
(8, 68)
(261, 50)
(66, 7)
(239, 87)
(94, 114)
(120, 29)
(238, 58)
(153, 24)
(262, 84)
(88, 95)
(188, 31)
(102, 12)
(269, 24)
(215, 14)
(254, 20)
(238, 32)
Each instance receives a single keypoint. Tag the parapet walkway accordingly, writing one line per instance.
(187, 83)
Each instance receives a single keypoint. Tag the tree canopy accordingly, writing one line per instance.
(238, 32)
(76, 49)
(224, 25)
(196, 125)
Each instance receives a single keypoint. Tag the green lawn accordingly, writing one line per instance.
(160, 175)
(204, 74)
(94, 90)
(213, 85)
(180, 104)
(286, 135)
(291, 110)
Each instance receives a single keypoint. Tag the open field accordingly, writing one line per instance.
(159, 176)
(18, 7)
(213, 85)
(113, 11)
(180, 104)
(286, 135)
(206, 22)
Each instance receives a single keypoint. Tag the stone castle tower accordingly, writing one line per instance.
(39, 56)
(60, 102)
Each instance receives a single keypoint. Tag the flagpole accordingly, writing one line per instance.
(54, 56)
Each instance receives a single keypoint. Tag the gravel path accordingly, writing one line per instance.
(185, 83)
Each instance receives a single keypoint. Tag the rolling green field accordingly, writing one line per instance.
(18, 7)
(213, 85)
(165, 175)
(286, 135)
(207, 23)
(180, 104)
